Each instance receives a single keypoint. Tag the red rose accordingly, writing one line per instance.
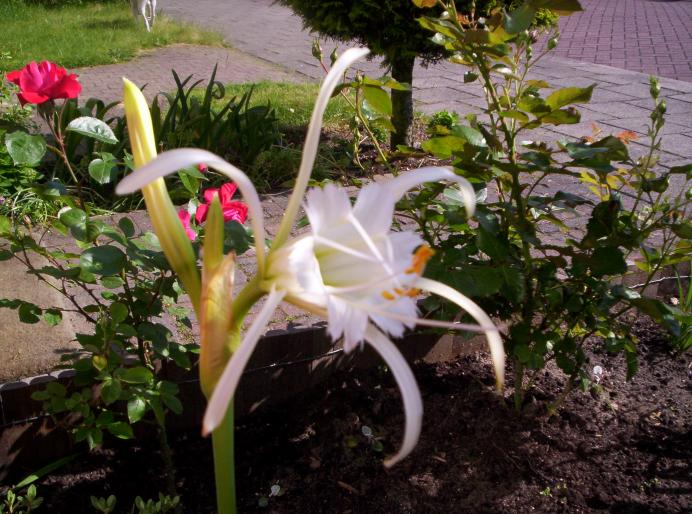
(232, 210)
(39, 83)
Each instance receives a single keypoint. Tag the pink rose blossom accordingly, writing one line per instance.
(232, 210)
(184, 216)
(39, 83)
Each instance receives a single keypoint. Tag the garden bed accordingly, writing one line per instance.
(620, 449)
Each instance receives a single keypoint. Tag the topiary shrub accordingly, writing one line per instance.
(391, 30)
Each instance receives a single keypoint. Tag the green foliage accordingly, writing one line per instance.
(683, 342)
(233, 128)
(25, 503)
(554, 290)
(163, 505)
(19, 196)
(389, 28)
(135, 288)
(12, 115)
(442, 121)
(542, 18)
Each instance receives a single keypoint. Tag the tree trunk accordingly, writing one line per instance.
(402, 103)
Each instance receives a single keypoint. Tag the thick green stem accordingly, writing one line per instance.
(222, 437)
(246, 298)
(224, 464)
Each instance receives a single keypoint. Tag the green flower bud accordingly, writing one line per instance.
(654, 87)
(317, 50)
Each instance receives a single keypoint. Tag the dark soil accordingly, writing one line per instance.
(624, 448)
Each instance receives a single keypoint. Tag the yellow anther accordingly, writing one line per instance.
(413, 292)
(420, 259)
(388, 296)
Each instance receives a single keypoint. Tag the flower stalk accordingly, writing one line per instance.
(350, 268)
(164, 218)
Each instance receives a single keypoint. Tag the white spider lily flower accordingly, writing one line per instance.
(350, 268)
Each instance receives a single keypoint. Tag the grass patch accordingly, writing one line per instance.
(85, 35)
(293, 103)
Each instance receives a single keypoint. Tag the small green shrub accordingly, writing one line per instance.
(442, 120)
(556, 290)
(163, 505)
(15, 503)
(683, 341)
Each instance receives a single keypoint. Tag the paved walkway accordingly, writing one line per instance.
(651, 36)
(621, 100)
(270, 44)
(153, 69)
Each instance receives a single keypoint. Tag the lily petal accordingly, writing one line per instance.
(174, 160)
(413, 405)
(406, 181)
(226, 386)
(497, 351)
(312, 140)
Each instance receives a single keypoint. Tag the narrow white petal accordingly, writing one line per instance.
(174, 160)
(411, 320)
(410, 394)
(326, 206)
(374, 208)
(497, 351)
(313, 138)
(346, 250)
(399, 314)
(406, 181)
(225, 388)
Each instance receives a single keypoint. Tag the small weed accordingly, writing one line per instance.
(442, 120)
(649, 485)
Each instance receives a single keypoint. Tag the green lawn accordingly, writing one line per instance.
(293, 103)
(84, 35)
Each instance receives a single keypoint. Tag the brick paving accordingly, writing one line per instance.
(621, 99)
(153, 70)
(649, 36)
